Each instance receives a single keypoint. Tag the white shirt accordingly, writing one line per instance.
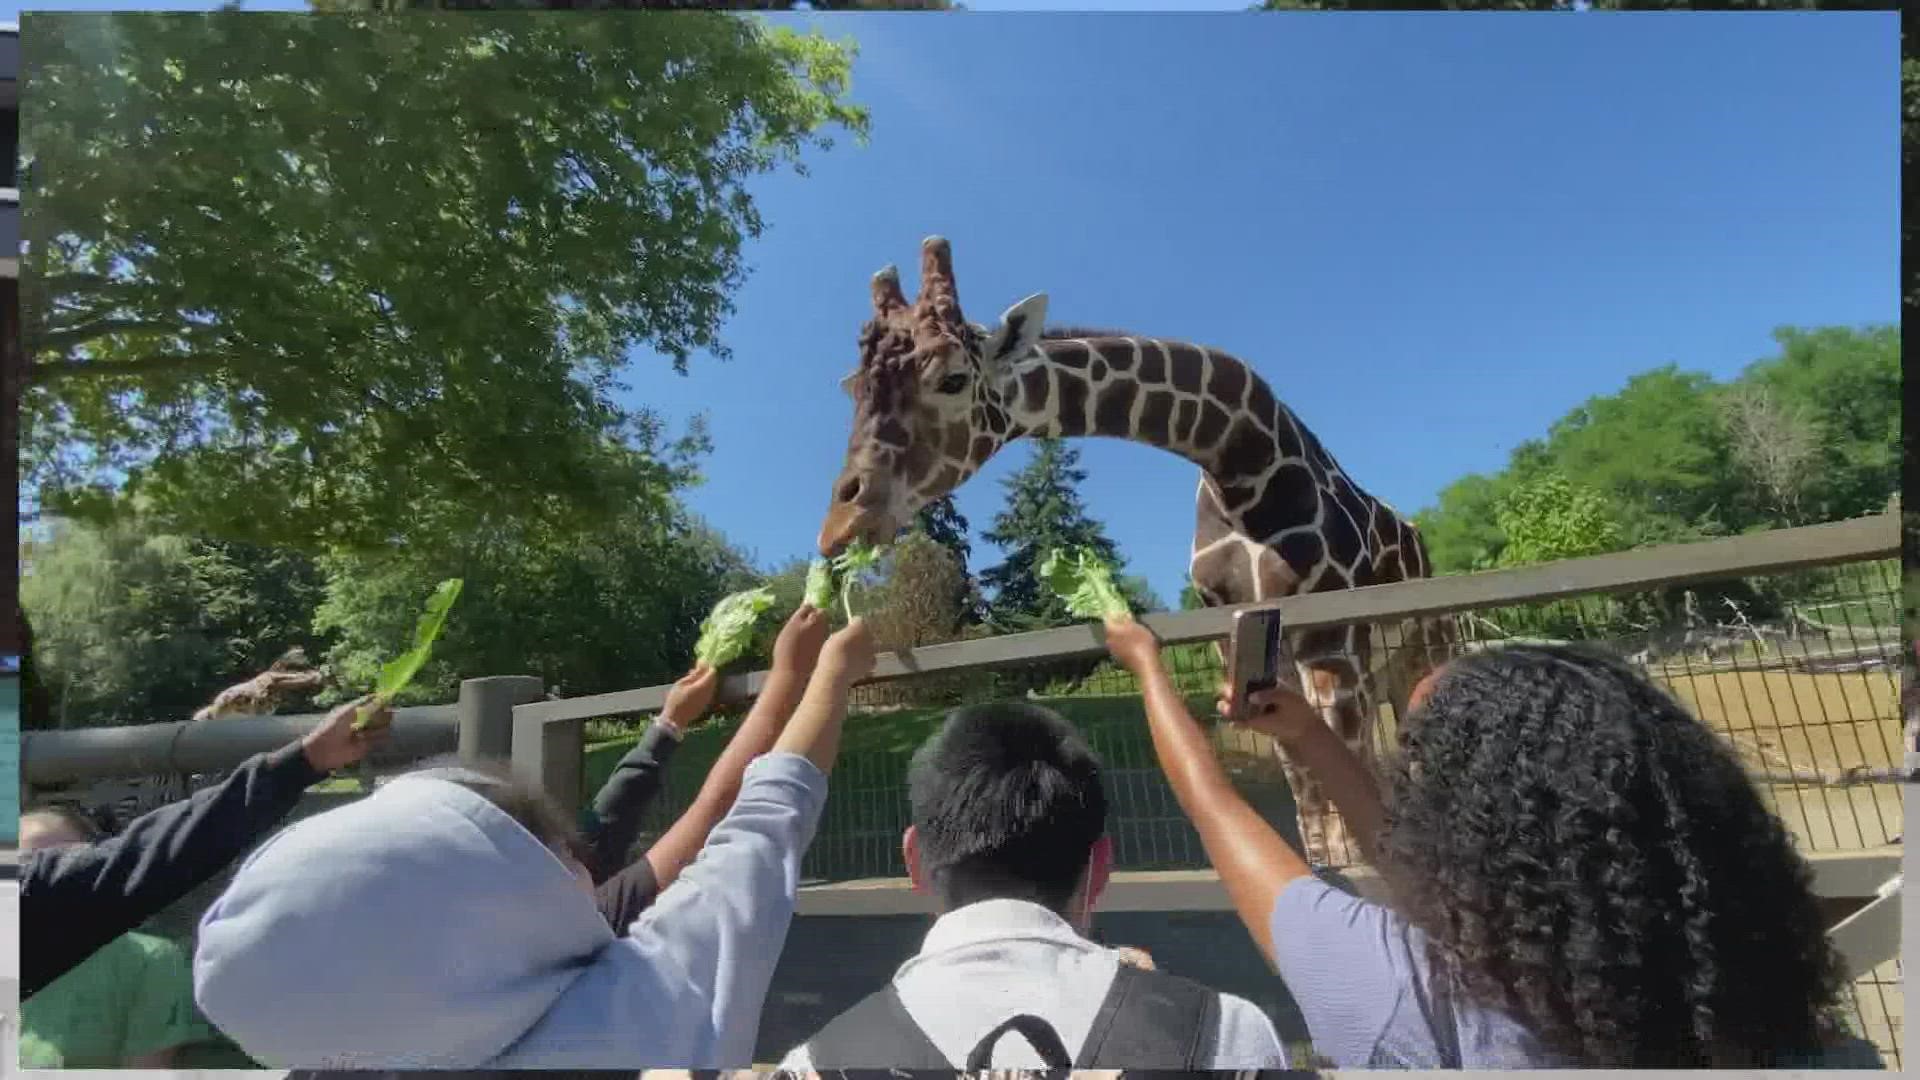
(997, 958)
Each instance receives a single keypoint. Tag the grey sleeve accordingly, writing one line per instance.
(1352, 965)
(724, 921)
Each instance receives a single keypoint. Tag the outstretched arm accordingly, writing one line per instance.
(1313, 747)
(794, 655)
(814, 731)
(106, 889)
(622, 801)
(1253, 860)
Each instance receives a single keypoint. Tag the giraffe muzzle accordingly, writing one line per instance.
(847, 523)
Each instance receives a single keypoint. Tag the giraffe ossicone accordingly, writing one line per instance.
(935, 396)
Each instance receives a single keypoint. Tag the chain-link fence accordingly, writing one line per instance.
(1798, 672)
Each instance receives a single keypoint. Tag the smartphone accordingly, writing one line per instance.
(1257, 655)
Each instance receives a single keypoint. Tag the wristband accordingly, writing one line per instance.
(674, 731)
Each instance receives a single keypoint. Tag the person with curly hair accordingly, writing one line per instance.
(1582, 876)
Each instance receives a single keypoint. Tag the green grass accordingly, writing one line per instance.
(1110, 724)
(859, 834)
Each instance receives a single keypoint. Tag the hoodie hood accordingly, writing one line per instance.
(420, 927)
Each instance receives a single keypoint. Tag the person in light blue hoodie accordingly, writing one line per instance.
(448, 922)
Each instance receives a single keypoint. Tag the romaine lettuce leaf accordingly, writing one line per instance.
(820, 585)
(848, 566)
(727, 632)
(398, 673)
(1079, 577)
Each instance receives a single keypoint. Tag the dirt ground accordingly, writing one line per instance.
(1795, 721)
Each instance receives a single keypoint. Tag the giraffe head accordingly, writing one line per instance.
(929, 400)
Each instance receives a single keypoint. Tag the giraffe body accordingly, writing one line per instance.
(936, 396)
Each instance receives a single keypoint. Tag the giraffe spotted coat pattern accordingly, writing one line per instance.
(935, 396)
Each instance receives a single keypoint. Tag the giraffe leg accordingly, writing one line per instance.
(1333, 678)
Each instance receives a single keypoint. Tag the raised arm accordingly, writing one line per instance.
(1311, 745)
(814, 731)
(103, 890)
(724, 922)
(795, 653)
(621, 804)
(1253, 860)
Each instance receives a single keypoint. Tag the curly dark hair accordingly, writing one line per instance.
(1587, 857)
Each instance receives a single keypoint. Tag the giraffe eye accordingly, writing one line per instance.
(954, 383)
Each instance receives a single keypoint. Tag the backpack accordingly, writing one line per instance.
(1148, 1020)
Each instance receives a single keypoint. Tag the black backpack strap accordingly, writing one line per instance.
(877, 1032)
(1152, 1020)
(1045, 1040)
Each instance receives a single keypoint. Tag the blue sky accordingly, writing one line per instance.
(1432, 235)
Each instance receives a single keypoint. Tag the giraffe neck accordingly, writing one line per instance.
(1205, 406)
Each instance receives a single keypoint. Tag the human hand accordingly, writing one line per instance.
(1279, 712)
(848, 655)
(797, 649)
(1133, 645)
(335, 744)
(690, 698)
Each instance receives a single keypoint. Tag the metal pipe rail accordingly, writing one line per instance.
(207, 746)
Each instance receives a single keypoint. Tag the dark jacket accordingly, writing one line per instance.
(75, 899)
(625, 889)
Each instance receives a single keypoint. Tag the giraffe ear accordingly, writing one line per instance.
(1019, 330)
(846, 381)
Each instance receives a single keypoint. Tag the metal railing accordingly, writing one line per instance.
(549, 737)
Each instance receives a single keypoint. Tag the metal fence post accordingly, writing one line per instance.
(485, 712)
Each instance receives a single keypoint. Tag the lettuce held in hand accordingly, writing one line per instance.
(820, 585)
(399, 672)
(727, 632)
(1085, 583)
(839, 573)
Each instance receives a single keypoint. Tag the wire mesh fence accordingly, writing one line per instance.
(1878, 1005)
(1798, 671)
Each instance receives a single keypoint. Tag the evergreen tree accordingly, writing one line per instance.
(1043, 512)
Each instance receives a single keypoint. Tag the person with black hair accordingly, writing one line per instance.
(1009, 815)
(1583, 874)
(75, 898)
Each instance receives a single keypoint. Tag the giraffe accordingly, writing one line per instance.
(265, 692)
(935, 396)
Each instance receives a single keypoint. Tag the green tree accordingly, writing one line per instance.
(1461, 530)
(454, 231)
(609, 609)
(131, 626)
(1847, 383)
(1550, 518)
(626, 5)
(1657, 450)
(1043, 511)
